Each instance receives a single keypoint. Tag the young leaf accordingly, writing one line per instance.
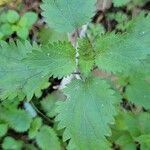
(35, 126)
(66, 15)
(10, 143)
(86, 56)
(22, 32)
(56, 59)
(14, 73)
(47, 139)
(6, 29)
(48, 104)
(86, 114)
(30, 18)
(122, 53)
(12, 16)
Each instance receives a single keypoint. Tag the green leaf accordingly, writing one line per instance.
(3, 129)
(11, 103)
(23, 33)
(47, 35)
(134, 124)
(1, 35)
(139, 2)
(17, 119)
(126, 142)
(138, 92)
(12, 16)
(118, 16)
(66, 15)
(31, 18)
(47, 139)
(144, 141)
(30, 147)
(56, 59)
(144, 122)
(123, 52)
(15, 75)
(22, 22)
(130, 146)
(49, 103)
(10, 143)
(86, 114)
(27, 20)
(35, 126)
(120, 3)
(129, 127)
(3, 17)
(6, 29)
(86, 56)
(94, 30)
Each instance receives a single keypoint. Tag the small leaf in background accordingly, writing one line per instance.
(22, 22)
(120, 3)
(47, 34)
(121, 18)
(1, 35)
(31, 18)
(28, 19)
(6, 29)
(17, 119)
(144, 141)
(10, 143)
(86, 56)
(126, 142)
(29, 147)
(12, 16)
(11, 103)
(22, 32)
(3, 129)
(129, 127)
(95, 30)
(3, 17)
(49, 103)
(139, 2)
(47, 139)
(35, 126)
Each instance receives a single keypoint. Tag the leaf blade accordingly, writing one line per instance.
(86, 114)
(121, 53)
(66, 15)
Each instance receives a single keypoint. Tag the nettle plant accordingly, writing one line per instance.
(92, 101)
